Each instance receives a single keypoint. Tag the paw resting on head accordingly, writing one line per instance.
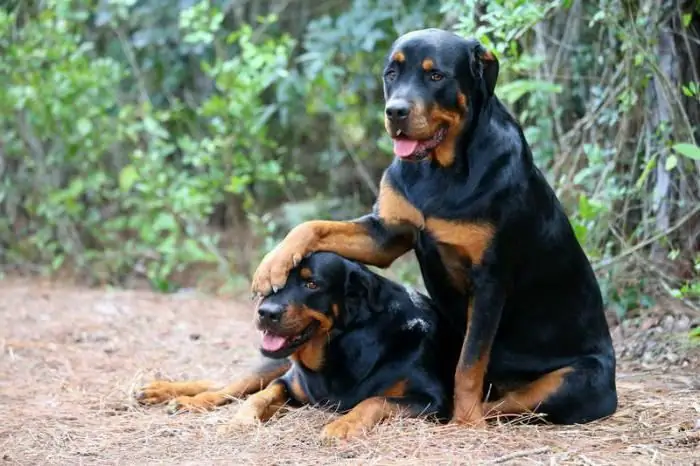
(271, 274)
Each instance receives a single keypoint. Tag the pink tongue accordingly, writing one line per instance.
(272, 342)
(404, 147)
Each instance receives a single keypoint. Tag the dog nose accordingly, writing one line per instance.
(270, 313)
(397, 110)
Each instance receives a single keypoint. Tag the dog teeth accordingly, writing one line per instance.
(398, 132)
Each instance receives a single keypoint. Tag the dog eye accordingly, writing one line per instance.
(390, 75)
(311, 285)
(436, 76)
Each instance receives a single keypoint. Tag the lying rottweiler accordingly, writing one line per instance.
(348, 339)
(496, 249)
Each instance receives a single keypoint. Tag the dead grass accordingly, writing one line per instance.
(70, 357)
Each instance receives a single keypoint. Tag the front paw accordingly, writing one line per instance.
(248, 415)
(273, 271)
(474, 419)
(190, 404)
(156, 392)
(343, 428)
(469, 412)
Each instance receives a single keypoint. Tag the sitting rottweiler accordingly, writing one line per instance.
(496, 249)
(348, 339)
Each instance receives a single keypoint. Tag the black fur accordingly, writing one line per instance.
(383, 334)
(487, 229)
(535, 294)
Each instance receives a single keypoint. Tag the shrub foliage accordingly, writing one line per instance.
(152, 137)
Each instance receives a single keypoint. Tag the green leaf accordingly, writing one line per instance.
(688, 150)
(164, 221)
(194, 252)
(645, 173)
(695, 334)
(671, 162)
(686, 19)
(84, 126)
(127, 177)
(57, 261)
(513, 91)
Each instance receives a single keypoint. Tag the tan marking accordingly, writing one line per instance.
(531, 396)
(469, 383)
(312, 353)
(305, 273)
(427, 64)
(420, 125)
(454, 266)
(462, 101)
(325, 321)
(397, 390)
(336, 310)
(395, 209)
(469, 391)
(445, 152)
(348, 239)
(488, 56)
(361, 418)
(399, 57)
(262, 405)
(469, 239)
(202, 395)
(423, 125)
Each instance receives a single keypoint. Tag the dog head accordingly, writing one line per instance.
(432, 79)
(297, 320)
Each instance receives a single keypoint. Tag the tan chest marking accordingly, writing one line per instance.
(395, 208)
(470, 240)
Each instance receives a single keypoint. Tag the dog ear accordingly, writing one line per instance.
(485, 66)
(360, 289)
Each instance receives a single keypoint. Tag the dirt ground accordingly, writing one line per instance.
(71, 357)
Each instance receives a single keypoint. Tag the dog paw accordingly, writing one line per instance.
(189, 404)
(469, 421)
(247, 416)
(273, 271)
(342, 429)
(155, 393)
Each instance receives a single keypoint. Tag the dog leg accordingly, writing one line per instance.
(202, 396)
(375, 239)
(370, 412)
(483, 317)
(260, 406)
(579, 393)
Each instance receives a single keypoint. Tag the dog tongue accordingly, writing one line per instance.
(272, 342)
(404, 147)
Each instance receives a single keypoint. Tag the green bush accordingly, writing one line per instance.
(140, 137)
(597, 100)
(106, 184)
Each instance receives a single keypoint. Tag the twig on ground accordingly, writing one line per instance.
(520, 454)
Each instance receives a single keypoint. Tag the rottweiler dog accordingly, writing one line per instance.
(344, 338)
(495, 247)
